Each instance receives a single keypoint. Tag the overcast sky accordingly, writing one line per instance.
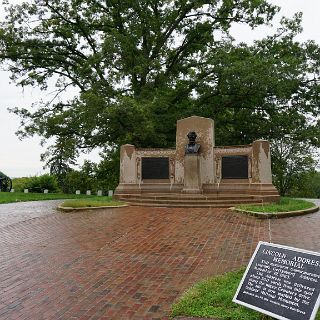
(22, 158)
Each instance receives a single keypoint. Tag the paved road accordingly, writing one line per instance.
(126, 263)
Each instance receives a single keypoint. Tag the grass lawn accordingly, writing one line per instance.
(284, 205)
(212, 298)
(81, 203)
(7, 197)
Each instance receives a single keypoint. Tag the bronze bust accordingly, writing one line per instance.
(192, 147)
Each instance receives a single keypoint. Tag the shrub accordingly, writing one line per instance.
(36, 184)
(19, 183)
(82, 180)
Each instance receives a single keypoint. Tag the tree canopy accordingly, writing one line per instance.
(138, 66)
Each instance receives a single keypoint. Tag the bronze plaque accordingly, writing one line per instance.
(155, 168)
(282, 282)
(235, 167)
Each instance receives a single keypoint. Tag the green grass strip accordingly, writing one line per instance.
(8, 197)
(212, 298)
(88, 203)
(284, 205)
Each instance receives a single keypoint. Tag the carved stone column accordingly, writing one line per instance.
(218, 168)
(138, 163)
(171, 169)
(250, 168)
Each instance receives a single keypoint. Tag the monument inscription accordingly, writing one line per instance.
(155, 168)
(282, 282)
(235, 167)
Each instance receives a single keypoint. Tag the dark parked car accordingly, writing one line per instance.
(5, 182)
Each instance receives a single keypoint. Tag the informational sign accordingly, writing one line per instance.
(235, 167)
(282, 282)
(155, 168)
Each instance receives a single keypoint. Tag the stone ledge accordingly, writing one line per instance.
(62, 208)
(268, 215)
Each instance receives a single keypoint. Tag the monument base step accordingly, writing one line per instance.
(193, 200)
(184, 205)
(183, 196)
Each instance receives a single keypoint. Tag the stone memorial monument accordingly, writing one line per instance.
(196, 172)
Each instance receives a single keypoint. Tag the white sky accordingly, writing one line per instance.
(22, 158)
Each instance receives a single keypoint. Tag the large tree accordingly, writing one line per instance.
(139, 65)
(292, 161)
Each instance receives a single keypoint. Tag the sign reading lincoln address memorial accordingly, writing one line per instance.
(282, 282)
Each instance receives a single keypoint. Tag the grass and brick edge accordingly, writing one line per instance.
(272, 215)
(87, 204)
(286, 207)
(62, 208)
(211, 299)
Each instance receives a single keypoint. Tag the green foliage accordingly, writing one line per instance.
(284, 205)
(107, 171)
(83, 179)
(59, 158)
(36, 184)
(19, 183)
(315, 185)
(293, 161)
(139, 66)
(308, 185)
(104, 176)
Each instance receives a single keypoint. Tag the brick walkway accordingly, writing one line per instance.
(128, 263)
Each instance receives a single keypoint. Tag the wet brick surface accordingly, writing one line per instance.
(126, 263)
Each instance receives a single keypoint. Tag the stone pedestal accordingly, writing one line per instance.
(192, 181)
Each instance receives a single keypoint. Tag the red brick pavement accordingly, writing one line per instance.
(128, 263)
